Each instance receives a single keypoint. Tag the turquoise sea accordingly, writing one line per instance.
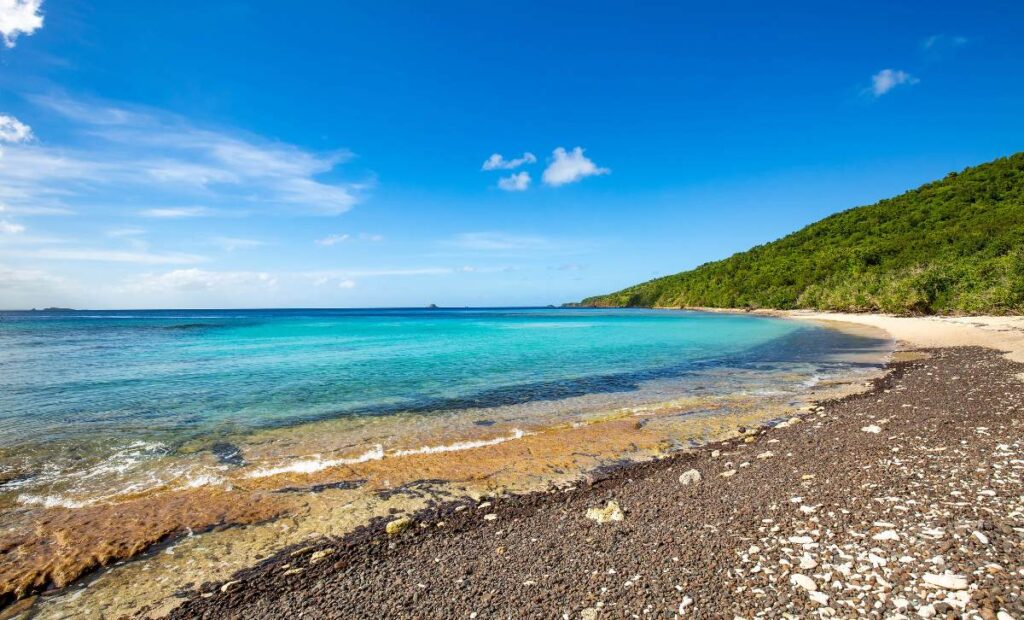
(96, 402)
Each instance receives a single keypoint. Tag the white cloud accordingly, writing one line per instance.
(10, 228)
(569, 167)
(23, 288)
(19, 17)
(330, 240)
(11, 129)
(230, 244)
(347, 283)
(320, 278)
(201, 280)
(171, 213)
(113, 256)
(515, 183)
(154, 157)
(497, 162)
(888, 79)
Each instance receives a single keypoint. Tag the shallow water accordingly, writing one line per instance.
(100, 405)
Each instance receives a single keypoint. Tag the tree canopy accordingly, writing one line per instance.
(953, 246)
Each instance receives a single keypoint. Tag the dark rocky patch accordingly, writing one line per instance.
(228, 453)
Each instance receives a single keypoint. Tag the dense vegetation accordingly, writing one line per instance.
(951, 246)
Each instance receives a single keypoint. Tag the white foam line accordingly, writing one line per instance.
(51, 501)
(462, 445)
(313, 465)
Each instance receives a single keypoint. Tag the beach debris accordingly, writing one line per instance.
(946, 582)
(716, 453)
(691, 476)
(490, 516)
(611, 512)
(766, 455)
(981, 537)
(804, 582)
(589, 613)
(319, 555)
(729, 473)
(397, 526)
(228, 586)
(686, 602)
(886, 535)
(871, 428)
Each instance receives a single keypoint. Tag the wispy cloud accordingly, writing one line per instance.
(19, 17)
(200, 280)
(888, 79)
(517, 182)
(129, 231)
(943, 41)
(330, 240)
(153, 157)
(230, 244)
(570, 167)
(112, 256)
(174, 213)
(10, 228)
(495, 241)
(498, 162)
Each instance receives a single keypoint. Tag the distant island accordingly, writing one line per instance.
(954, 246)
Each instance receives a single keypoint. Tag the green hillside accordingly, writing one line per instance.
(954, 246)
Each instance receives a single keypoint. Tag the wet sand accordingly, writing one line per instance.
(907, 500)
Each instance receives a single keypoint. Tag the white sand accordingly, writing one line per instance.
(1003, 333)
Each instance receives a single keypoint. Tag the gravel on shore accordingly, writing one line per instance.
(906, 501)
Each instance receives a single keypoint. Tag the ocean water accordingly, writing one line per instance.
(97, 404)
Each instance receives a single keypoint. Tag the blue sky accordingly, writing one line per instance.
(221, 154)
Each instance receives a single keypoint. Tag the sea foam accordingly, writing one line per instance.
(316, 464)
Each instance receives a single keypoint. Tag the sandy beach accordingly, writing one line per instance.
(901, 501)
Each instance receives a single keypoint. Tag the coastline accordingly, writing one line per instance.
(1002, 333)
(900, 501)
(338, 522)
